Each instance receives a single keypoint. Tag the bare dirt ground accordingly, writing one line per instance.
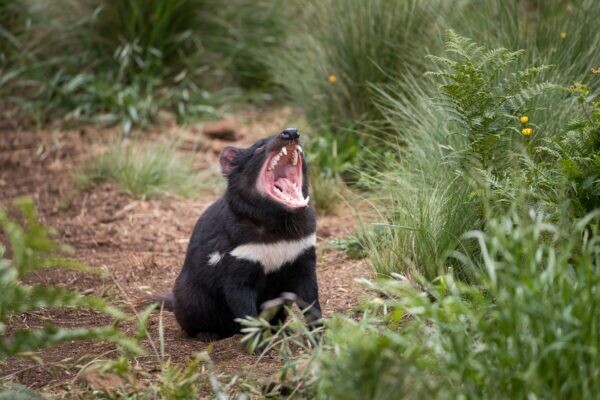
(139, 243)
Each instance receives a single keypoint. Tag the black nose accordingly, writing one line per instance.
(290, 134)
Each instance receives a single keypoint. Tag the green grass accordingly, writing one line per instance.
(339, 48)
(144, 171)
(485, 233)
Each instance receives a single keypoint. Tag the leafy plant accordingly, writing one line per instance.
(351, 245)
(295, 342)
(528, 329)
(484, 99)
(33, 249)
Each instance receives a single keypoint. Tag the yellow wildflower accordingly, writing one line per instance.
(596, 71)
(332, 78)
(524, 119)
(526, 132)
(563, 35)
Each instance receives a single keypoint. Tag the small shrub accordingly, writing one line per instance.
(333, 156)
(33, 249)
(147, 171)
(296, 344)
(331, 161)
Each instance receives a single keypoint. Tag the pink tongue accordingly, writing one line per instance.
(287, 187)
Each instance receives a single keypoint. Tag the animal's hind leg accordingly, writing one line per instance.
(198, 315)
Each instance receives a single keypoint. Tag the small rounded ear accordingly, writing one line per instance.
(226, 159)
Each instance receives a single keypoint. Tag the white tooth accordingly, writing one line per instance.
(274, 161)
(306, 199)
(299, 148)
(295, 158)
(284, 151)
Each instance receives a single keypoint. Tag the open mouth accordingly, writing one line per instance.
(281, 177)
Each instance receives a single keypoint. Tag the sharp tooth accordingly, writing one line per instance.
(299, 148)
(284, 151)
(307, 199)
(274, 161)
(295, 158)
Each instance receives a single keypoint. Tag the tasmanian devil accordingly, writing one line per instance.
(253, 244)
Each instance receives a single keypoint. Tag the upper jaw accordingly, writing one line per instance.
(291, 152)
(281, 176)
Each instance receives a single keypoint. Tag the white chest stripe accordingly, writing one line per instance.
(274, 255)
(214, 258)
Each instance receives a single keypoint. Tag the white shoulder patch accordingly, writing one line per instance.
(214, 258)
(274, 255)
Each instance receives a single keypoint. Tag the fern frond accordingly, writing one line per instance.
(22, 341)
(516, 101)
(33, 248)
(25, 298)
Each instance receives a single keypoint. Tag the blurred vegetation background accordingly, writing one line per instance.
(472, 128)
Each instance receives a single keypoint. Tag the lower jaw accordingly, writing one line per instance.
(290, 207)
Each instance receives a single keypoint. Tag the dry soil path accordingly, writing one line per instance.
(140, 243)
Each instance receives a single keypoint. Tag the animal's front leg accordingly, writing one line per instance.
(242, 284)
(305, 285)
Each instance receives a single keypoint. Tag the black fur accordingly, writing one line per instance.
(208, 298)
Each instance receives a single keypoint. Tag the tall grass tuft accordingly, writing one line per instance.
(246, 32)
(147, 171)
(337, 49)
